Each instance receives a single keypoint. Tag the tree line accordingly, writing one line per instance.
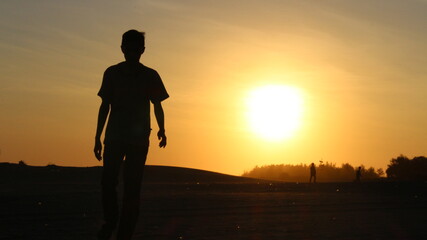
(400, 168)
(326, 172)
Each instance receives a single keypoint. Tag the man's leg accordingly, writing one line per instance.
(133, 171)
(113, 158)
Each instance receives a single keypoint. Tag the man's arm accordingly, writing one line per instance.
(104, 109)
(160, 117)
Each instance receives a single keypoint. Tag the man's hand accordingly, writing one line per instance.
(162, 137)
(98, 149)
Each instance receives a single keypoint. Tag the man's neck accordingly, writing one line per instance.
(132, 63)
(131, 67)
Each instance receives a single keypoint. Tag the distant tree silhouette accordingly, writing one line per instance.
(405, 169)
(369, 173)
(380, 172)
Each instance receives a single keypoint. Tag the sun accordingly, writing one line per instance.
(274, 111)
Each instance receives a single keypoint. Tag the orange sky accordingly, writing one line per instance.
(359, 64)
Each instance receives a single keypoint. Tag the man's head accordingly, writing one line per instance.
(133, 45)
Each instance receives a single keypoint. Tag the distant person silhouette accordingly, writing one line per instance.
(126, 92)
(358, 174)
(313, 173)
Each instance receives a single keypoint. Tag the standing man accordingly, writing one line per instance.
(313, 173)
(358, 174)
(126, 92)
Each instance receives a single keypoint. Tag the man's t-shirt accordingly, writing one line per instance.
(313, 170)
(130, 93)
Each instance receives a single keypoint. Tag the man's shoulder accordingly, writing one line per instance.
(147, 69)
(115, 67)
(120, 66)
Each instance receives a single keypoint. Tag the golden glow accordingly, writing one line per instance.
(209, 59)
(274, 111)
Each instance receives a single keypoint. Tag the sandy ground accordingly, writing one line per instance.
(204, 211)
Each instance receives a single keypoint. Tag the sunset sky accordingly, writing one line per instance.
(359, 68)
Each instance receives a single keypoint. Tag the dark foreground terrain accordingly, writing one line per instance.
(63, 203)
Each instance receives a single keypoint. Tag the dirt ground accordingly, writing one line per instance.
(205, 211)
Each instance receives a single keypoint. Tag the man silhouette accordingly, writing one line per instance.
(358, 174)
(313, 173)
(126, 92)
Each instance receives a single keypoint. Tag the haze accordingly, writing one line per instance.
(361, 66)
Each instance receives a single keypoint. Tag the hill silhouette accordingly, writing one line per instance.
(11, 172)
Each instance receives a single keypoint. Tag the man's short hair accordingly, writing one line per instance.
(132, 37)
